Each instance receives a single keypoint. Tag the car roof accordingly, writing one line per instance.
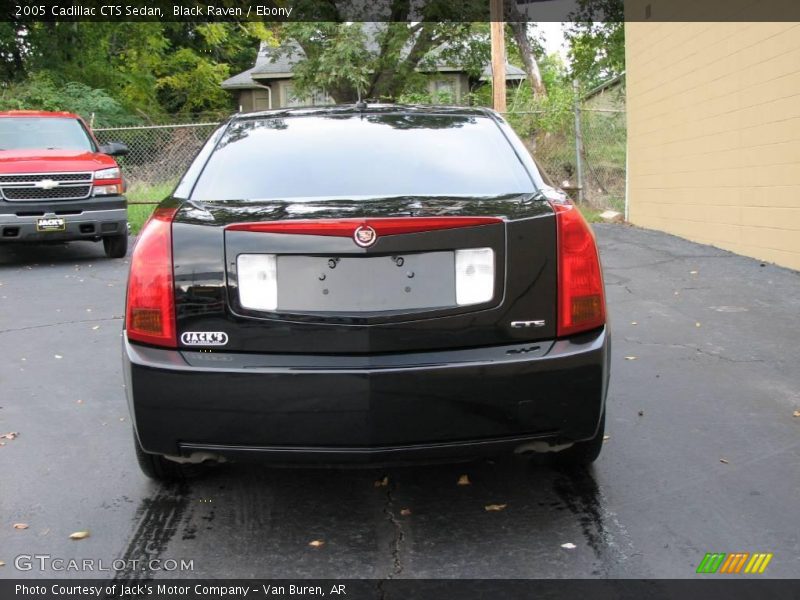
(38, 113)
(353, 109)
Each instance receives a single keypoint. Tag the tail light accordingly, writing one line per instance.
(150, 310)
(581, 296)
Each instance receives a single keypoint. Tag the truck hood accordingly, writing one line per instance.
(52, 161)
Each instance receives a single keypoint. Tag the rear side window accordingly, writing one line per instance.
(43, 133)
(369, 155)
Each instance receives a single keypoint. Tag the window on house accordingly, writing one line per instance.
(261, 99)
(443, 91)
(317, 99)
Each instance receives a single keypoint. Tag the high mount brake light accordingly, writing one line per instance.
(581, 295)
(347, 227)
(150, 309)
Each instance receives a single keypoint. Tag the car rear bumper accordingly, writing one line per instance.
(291, 408)
(88, 219)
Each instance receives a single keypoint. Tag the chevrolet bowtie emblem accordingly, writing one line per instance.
(46, 184)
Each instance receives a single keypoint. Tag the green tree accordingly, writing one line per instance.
(596, 40)
(150, 69)
(41, 92)
(379, 61)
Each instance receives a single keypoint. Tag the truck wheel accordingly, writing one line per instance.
(156, 466)
(116, 246)
(585, 453)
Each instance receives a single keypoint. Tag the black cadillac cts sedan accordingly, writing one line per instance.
(364, 283)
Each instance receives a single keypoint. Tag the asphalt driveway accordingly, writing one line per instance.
(703, 453)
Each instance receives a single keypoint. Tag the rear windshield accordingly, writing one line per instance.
(51, 133)
(370, 155)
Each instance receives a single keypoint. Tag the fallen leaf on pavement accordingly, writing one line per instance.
(20, 525)
(630, 358)
(79, 535)
(382, 482)
(796, 413)
(405, 512)
(316, 543)
(464, 480)
(641, 413)
(494, 507)
(10, 435)
(569, 546)
(723, 461)
(2, 564)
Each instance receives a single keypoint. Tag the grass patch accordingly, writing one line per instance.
(149, 192)
(591, 214)
(139, 193)
(138, 214)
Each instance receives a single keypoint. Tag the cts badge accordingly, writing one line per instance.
(365, 236)
(204, 338)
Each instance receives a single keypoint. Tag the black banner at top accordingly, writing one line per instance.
(27, 11)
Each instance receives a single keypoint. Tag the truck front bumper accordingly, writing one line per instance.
(84, 220)
(335, 409)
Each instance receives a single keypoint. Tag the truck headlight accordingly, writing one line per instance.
(112, 173)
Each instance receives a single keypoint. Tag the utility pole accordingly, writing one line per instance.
(578, 141)
(498, 55)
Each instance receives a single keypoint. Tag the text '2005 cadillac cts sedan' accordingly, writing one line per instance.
(365, 284)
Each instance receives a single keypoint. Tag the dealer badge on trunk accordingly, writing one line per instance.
(365, 236)
(204, 338)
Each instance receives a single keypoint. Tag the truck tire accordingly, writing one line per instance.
(116, 246)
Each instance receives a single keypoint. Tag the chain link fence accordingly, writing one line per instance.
(584, 155)
(158, 155)
(593, 161)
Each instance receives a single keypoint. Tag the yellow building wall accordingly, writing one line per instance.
(714, 134)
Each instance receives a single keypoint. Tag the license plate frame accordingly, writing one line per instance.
(366, 284)
(51, 224)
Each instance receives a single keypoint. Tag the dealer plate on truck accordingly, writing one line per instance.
(366, 284)
(51, 224)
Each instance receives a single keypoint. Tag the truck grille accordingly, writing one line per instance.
(46, 186)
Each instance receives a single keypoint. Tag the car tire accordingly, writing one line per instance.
(582, 454)
(116, 246)
(156, 467)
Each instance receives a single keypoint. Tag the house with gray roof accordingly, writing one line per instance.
(268, 84)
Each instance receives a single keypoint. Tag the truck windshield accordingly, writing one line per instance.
(43, 133)
(369, 155)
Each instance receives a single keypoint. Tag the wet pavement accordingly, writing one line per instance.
(703, 452)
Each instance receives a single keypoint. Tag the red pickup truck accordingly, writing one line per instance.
(58, 184)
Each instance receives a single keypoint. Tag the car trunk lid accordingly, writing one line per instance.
(401, 292)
